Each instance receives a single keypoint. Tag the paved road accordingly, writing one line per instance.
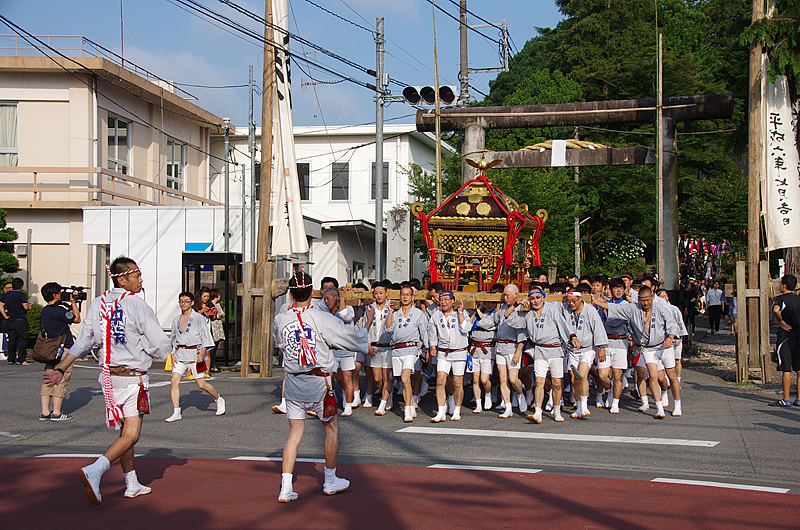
(727, 435)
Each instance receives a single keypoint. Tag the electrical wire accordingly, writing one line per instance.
(459, 21)
(24, 35)
(341, 17)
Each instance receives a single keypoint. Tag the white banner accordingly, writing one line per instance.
(289, 234)
(782, 197)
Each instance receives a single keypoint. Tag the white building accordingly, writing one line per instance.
(336, 167)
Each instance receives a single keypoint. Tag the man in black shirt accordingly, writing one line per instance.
(56, 320)
(786, 312)
(14, 306)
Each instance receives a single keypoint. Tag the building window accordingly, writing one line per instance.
(385, 181)
(358, 272)
(340, 181)
(176, 164)
(9, 149)
(303, 170)
(118, 145)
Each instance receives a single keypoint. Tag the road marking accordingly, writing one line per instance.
(720, 485)
(77, 455)
(485, 468)
(276, 459)
(559, 437)
(7, 434)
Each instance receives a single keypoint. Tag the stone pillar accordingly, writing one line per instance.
(399, 244)
(474, 140)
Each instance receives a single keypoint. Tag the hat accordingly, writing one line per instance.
(626, 275)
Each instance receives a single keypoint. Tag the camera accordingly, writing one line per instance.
(77, 292)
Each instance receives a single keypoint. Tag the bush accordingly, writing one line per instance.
(34, 321)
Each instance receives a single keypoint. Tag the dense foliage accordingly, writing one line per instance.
(8, 261)
(606, 50)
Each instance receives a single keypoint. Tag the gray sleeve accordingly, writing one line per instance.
(561, 324)
(422, 325)
(598, 330)
(86, 339)
(206, 340)
(433, 334)
(154, 340)
(339, 336)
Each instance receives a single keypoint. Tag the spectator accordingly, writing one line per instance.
(217, 327)
(14, 306)
(56, 320)
(786, 312)
(3, 321)
(715, 298)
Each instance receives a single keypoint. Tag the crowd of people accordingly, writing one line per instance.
(523, 352)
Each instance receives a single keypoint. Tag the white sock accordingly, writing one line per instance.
(101, 465)
(614, 403)
(177, 411)
(356, 395)
(585, 403)
(456, 411)
(679, 379)
(330, 474)
(286, 482)
(283, 402)
(131, 480)
(676, 405)
(659, 408)
(645, 401)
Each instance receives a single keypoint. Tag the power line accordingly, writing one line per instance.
(207, 86)
(468, 27)
(341, 17)
(476, 16)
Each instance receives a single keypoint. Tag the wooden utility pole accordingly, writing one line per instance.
(754, 169)
(258, 311)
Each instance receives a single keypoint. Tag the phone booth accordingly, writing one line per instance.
(219, 270)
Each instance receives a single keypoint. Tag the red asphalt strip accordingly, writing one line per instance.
(192, 493)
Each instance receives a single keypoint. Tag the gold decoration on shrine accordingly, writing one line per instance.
(542, 214)
(483, 209)
(463, 209)
(475, 198)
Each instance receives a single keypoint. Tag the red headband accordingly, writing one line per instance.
(300, 277)
(117, 275)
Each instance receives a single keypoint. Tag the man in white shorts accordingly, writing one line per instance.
(546, 329)
(483, 353)
(136, 338)
(409, 328)
(677, 348)
(653, 329)
(617, 349)
(588, 340)
(191, 338)
(344, 362)
(448, 338)
(509, 343)
(309, 339)
(380, 340)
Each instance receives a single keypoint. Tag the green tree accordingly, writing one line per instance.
(8, 261)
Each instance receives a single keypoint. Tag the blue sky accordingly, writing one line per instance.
(164, 38)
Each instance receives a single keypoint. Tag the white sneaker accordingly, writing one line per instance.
(335, 485)
(136, 490)
(644, 408)
(557, 416)
(507, 414)
(356, 400)
(487, 402)
(279, 409)
(677, 410)
(220, 406)
(614, 409)
(176, 416)
(536, 417)
(609, 399)
(409, 414)
(367, 402)
(287, 496)
(598, 402)
(3, 357)
(91, 484)
(665, 399)
(348, 410)
(456, 415)
(381, 409)
(478, 408)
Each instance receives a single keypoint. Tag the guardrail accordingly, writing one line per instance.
(133, 190)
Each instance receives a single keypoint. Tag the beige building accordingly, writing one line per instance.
(90, 131)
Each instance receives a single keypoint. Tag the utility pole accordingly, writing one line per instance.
(660, 165)
(380, 83)
(251, 148)
(438, 112)
(577, 175)
(227, 235)
(463, 74)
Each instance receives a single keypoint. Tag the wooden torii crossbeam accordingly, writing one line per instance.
(474, 121)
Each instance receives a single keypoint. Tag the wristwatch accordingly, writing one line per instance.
(59, 370)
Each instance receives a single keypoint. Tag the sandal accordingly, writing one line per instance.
(781, 403)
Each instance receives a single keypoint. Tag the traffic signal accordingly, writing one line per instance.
(426, 95)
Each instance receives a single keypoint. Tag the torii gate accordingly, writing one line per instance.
(474, 121)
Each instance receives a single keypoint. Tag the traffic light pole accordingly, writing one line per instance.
(378, 182)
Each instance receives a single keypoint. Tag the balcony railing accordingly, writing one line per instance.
(102, 186)
(79, 46)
